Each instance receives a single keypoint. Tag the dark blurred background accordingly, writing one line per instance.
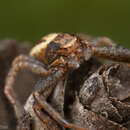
(31, 19)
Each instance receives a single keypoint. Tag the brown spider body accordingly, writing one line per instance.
(56, 45)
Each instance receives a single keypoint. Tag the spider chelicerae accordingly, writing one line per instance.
(55, 56)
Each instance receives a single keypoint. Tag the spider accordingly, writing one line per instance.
(54, 57)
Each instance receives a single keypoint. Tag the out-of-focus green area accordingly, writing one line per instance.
(31, 19)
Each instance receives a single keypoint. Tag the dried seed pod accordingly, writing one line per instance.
(86, 118)
(117, 81)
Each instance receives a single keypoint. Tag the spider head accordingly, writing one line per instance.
(56, 45)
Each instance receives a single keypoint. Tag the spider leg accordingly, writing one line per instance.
(55, 115)
(104, 47)
(21, 62)
(101, 41)
(43, 90)
(51, 125)
(115, 53)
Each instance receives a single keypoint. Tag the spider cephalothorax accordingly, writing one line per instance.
(55, 56)
(56, 45)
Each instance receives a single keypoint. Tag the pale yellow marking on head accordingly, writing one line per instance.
(70, 44)
(39, 47)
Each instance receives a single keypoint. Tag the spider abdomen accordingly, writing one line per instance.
(39, 51)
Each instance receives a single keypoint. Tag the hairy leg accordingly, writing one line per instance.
(42, 91)
(101, 42)
(115, 53)
(55, 115)
(104, 47)
(45, 118)
(21, 62)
